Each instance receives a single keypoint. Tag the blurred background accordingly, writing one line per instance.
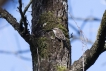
(84, 15)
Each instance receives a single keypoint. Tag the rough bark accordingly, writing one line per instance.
(48, 14)
(53, 57)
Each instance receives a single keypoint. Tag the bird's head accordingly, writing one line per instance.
(55, 29)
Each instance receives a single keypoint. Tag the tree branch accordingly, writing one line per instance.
(4, 14)
(91, 55)
(24, 19)
(28, 38)
(16, 52)
(26, 8)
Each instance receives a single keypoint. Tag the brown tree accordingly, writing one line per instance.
(52, 53)
(48, 52)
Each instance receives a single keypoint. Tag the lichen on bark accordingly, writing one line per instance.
(47, 15)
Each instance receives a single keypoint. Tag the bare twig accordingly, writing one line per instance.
(26, 8)
(24, 19)
(16, 53)
(91, 55)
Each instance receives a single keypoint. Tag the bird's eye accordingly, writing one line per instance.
(60, 36)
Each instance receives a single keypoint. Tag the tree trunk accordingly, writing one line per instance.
(50, 54)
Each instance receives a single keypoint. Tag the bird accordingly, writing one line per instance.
(59, 34)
